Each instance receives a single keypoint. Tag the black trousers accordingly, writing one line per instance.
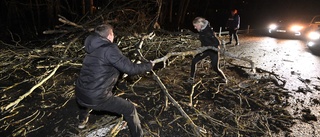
(214, 56)
(119, 106)
(233, 34)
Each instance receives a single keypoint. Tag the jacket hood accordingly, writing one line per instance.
(93, 42)
(206, 22)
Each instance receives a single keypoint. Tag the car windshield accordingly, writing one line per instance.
(316, 20)
(290, 20)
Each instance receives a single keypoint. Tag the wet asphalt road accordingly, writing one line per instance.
(289, 58)
(293, 61)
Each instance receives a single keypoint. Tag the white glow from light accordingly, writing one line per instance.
(273, 26)
(296, 28)
(310, 43)
(314, 35)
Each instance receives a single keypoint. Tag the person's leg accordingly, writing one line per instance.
(83, 116)
(127, 109)
(214, 56)
(236, 37)
(195, 60)
(230, 36)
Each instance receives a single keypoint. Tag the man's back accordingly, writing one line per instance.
(101, 69)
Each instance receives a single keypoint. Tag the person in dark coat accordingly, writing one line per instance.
(233, 25)
(207, 38)
(99, 73)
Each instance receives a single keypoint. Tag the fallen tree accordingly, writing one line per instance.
(243, 107)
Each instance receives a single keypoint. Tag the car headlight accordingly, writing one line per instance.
(314, 35)
(273, 26)
(296, 28)
(311, 43)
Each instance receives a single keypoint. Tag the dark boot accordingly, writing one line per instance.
(84, 117)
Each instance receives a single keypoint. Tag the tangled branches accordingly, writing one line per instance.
(244, 107)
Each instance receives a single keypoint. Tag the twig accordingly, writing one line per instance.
(132, 85)
(196, 128)
(65, 21)
(192, 91)
(16, 84)
(33, 88)
(116, 129)
(73, 41)
(6, 117)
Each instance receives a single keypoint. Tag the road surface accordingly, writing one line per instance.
(292, 60)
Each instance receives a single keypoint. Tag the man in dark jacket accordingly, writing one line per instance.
(99, 73)
(207, 38)
(233, 25)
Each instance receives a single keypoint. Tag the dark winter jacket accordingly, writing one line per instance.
(101, 68)
(233, 22)
(207, 36)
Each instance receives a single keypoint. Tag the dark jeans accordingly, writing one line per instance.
(119, 106)
(214, 56)
(233, 34)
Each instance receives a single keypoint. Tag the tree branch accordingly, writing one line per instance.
(33, 88)
(200, 50)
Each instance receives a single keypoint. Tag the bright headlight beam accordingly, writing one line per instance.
(314, 35)
(296, 28)
(310, 43)
(272, 26)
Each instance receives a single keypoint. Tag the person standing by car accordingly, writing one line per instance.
(207, 38)
(99, 73)
(233, 25)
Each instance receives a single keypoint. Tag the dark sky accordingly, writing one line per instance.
(286, 8)
(260, 12)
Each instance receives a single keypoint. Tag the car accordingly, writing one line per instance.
(313, 41)
(287, 27)
(314, 23)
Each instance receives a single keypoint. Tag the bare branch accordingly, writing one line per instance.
(32, 89)
(200, 50)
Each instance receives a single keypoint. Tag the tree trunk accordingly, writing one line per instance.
(171, 5)
(182, 12)
(87, 6)
(50, 12)
(91, 7)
